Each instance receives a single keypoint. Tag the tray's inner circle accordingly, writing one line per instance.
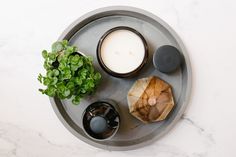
(131, 130)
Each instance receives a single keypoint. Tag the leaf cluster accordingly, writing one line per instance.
(68, 73)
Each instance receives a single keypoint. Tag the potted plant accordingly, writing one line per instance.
(69, 73)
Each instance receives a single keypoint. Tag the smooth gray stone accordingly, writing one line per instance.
(167, 59)
(98, 124)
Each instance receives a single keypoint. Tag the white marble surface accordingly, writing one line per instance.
(30, 128)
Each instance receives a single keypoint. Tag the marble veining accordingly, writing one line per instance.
(201, 130)
(28, 124)
(17, 140)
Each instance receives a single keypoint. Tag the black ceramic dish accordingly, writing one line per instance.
(115, 74)
(101, 120)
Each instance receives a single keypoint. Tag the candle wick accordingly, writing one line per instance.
(131, 53)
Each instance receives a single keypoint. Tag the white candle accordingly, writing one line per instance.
(122, 51)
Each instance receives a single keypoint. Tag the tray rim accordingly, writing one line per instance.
(188, 88)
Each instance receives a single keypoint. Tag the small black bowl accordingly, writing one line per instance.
(115, 74)
(101, 120)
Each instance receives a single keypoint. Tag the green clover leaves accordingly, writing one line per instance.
(68, 73)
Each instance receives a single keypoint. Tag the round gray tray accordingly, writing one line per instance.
(85, 33)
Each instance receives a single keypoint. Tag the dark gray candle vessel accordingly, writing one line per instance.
(167, 59)
(103, 65)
